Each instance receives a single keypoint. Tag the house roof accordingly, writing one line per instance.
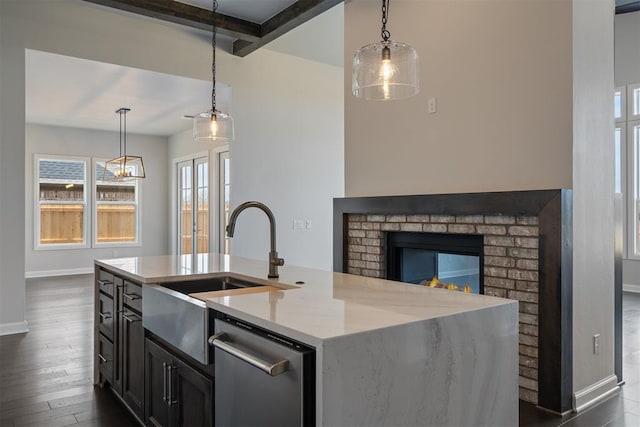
(58, 171)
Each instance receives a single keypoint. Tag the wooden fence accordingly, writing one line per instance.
(61, 223)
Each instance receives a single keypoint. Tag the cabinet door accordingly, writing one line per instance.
(133, 362)
(191, 397)
(156, 384)
(106, 315)
(117, 335)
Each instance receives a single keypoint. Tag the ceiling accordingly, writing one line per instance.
(257, 11)
(73, 92)
(251, 24)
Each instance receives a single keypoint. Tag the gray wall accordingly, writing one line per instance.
(524, 102)
(593, 204)
(627, 45)
(501, 73)
(153, 199)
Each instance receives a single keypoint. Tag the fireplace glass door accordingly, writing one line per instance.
(450, 260)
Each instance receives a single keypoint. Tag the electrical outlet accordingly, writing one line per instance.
(298, 224)
(596, 343)
(432, 105)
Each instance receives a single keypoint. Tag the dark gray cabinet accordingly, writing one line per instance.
(132, 361)
(120, 338)
(176, 393)
(161, 385)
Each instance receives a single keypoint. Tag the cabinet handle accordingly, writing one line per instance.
(102, 358)
(164, 381)
(272, 369)
(170, 368)
(130, 319)
(105, 316)
(131, 296)
(104, 282)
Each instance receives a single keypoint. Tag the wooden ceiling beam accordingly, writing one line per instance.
(250, 36)
(190, 16)
(285, 21)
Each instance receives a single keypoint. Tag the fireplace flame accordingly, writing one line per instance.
(435, 283)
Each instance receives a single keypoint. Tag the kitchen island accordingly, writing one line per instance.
(387, 353)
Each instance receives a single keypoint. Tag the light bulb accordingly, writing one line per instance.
(387, 70)
(213, 126)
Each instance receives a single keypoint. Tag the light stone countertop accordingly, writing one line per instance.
(326, 306)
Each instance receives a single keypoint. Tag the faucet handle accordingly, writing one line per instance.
(279, 261)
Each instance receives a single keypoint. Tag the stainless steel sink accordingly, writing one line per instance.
(220, 283)
(181, 320)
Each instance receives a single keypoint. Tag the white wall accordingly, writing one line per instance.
(593, 204)
(288, 154)
(501, 73)
(153, 199)
(84, 30)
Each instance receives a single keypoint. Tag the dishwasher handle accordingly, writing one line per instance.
(272, 369)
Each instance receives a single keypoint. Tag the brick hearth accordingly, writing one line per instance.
(510, 265)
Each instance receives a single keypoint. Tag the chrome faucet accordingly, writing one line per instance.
(274, 261)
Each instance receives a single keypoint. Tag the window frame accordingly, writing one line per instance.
(38, 246)
(633, 189)
(95, 203)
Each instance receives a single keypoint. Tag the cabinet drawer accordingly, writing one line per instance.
(132, 296)
(104, 281)
(105, 358)
(106, 310)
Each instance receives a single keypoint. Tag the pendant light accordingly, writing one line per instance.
(213, 125)
(125, 167)
(387, 70)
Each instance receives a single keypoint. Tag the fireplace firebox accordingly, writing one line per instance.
(455, 259)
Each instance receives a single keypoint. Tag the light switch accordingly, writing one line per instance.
(298, 224)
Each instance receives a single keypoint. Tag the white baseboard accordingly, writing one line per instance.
(53, 273)
(631, 288)
(13, 328)
(595, 393)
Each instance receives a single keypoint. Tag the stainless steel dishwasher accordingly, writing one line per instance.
(261, 378)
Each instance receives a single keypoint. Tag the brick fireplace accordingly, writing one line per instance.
(526, 257)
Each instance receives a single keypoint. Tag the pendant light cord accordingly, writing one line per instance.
(213, 62)
(385, 14)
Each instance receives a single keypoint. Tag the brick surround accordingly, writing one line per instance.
(511, 265)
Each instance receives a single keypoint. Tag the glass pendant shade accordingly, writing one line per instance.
(385, 71)
(213, 127)
(124, 168)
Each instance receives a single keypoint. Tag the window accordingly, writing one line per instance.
(61, 202)
(116, 212)
(619, 104)
(224, 165)
(633, 96)
(627, 166)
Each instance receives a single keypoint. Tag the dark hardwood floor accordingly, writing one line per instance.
(620, 410)
(46, 376)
